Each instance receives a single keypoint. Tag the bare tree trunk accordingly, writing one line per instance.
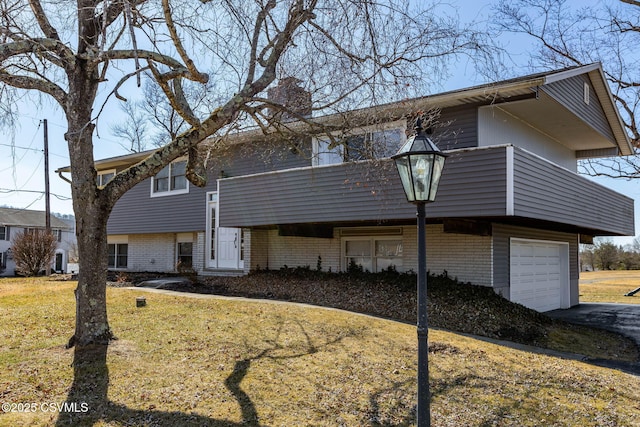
(92, 209)
(92, 212)
(92, 326)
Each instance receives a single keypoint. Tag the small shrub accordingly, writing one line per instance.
(354, 268)
(122, 278)
(33, 251)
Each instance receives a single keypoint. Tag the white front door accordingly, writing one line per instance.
(228, 247)
(224, 244)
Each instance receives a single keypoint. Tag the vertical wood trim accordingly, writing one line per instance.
(509, 182)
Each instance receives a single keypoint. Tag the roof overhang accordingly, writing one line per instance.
(519, 97)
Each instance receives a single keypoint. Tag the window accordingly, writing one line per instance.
(373, 254)
(105, 176)
(170, 180)
(372, 143)
(118, 255)
(4, 232)
(185, 255)
(57, 234)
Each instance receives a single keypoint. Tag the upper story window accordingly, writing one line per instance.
(373, 142)
(170, 180)
(105, 176)
(4, 232)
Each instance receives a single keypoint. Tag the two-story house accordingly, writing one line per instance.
(510, 213)
(13, 221)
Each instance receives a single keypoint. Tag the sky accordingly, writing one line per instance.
(22, 167)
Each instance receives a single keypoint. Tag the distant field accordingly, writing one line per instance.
(609, 286)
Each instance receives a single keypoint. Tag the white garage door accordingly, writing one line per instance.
(539, 274)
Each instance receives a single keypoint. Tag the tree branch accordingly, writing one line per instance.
(43, 22)
(25, 82)
(220, 117)
(251, 72)
(631, 2)
(173, 33)
(35, 46)
(176, 96)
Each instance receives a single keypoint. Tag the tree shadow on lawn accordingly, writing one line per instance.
(87, 401)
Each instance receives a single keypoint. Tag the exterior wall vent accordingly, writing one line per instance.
(585, 93)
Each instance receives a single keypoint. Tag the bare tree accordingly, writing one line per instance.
(570, 34)
(347, 52)
(33, 251)
(152, 121)
(134, 129)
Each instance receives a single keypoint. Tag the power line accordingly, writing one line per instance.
(37, 150)
(9, 190)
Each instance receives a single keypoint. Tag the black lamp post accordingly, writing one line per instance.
(420, 163)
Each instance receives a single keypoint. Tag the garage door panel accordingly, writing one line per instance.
(538, 273)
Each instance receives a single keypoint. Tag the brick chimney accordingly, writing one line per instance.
(289, 94)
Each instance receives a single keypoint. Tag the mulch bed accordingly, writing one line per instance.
(452, 305)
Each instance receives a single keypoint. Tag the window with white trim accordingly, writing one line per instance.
(172, 179)
(372, 142)
(105, 176)
(4, 232)
(118, 255)
(372, 254)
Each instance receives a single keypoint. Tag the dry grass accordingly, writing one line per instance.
(609, 286)
(210, 361)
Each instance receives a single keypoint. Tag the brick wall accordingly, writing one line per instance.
(152, 252)
(467, 257)
(199, 245)
(300, 252)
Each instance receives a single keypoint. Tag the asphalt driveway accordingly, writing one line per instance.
(621, 318)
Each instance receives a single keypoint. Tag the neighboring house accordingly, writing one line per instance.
(510, 213)
(13, 221)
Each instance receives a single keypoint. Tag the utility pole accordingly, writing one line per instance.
(47, 204)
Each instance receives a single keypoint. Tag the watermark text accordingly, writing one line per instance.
(23, 407)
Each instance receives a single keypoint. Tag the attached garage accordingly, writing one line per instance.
(539, 272)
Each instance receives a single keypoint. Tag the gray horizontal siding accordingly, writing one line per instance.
(456, 128)
(547, 192)
(473, 184)
(501, 255)
(570, 93)
(137, 212)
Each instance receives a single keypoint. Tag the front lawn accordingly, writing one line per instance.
(219, 362)
(610, 286)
